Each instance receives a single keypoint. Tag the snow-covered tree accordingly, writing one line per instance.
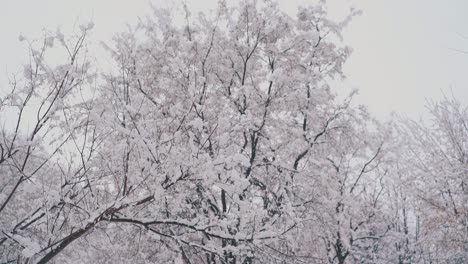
(436, 166)
(194, 139)
(41, 184)
(221, 140)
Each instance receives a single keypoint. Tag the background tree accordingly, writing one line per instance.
(436, 164)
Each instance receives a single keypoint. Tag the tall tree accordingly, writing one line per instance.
(222, 140)
(437, 163)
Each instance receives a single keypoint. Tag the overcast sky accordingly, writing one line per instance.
(405, 51)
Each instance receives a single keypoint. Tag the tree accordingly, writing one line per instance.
(193, 140)
(38, 178)
(221, 140)
(436, 163)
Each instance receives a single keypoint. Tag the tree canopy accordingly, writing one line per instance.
(222, 140)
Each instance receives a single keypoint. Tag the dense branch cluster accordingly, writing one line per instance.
(222, 141)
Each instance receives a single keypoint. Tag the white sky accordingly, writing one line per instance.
(405, 51)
